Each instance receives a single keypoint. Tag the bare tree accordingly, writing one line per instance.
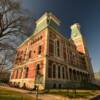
(13, 18)
(7, 56)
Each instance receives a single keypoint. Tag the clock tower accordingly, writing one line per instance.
(78, 39)
(80, 43)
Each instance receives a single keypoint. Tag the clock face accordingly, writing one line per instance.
(75, 34)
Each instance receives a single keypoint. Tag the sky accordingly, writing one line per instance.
(85, 12)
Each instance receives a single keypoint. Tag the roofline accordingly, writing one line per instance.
(48, 14)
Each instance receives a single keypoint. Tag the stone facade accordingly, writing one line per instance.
(49, 59)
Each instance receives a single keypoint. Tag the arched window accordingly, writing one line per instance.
(63, 74)
(54, 71)
(74, 75)
(66, 73)
(59, 75)
(70, 74)
(54, 85)
(49, 71)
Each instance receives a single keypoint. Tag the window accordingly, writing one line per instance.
(21, 70)
(64, 52)
(51, 47)
(74, 74)
(60, 86)
(54, 71)
(58, 48)
(63, 72)
(59, 72)
(54, 85)
(30, 52)
(40, 37)
(34, 51)
(39, 49)
(16, 74)
(66, 73)
(37, 69)
(70, 74)
(26, 72)
(50, 72)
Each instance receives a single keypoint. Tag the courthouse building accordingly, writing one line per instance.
(50, 59)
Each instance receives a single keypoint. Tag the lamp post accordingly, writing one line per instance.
(37, 92)
(36, 81)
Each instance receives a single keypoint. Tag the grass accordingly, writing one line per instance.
(73, 93)
(6, 94)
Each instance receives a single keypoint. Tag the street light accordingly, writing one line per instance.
(38, 77)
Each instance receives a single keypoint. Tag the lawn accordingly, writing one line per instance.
(6, 94)
(74, 94)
